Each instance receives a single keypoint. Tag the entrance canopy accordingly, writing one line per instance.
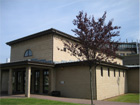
(26, 63)
(23, 69)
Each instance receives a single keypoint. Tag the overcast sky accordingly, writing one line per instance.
(19, 18)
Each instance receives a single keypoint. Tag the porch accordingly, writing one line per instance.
(27, 77)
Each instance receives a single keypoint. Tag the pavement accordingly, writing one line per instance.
(71, 100)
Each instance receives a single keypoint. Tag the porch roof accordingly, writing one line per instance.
(102, 63)
(47, 64)
(26, 63)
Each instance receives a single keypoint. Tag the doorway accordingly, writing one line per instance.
(18, 81)
(45, 81)
(36, 81)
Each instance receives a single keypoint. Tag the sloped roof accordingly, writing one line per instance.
(42, 33)
(80, 63)
(47, 64)
(25, 63)
(46, 32)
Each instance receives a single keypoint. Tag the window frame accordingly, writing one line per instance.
(119, 73)
(64, 49)
(114, 73)
(101, 71)
(44, 85)
(108, 72)
(28, 51)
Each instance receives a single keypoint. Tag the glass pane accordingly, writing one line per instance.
(19, 83)
(26, 54)
(37, 81)
(30, 53)
(46, 81)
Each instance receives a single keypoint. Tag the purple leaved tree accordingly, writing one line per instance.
(95, 43)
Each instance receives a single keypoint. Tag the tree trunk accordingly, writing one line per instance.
(91, 84)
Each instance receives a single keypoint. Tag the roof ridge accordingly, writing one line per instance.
(41, 33)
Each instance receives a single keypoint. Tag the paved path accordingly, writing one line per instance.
(71, 100)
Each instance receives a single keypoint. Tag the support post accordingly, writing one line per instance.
(10, 82)
(22, 82)
(27, 82)
(33, 78)
(41, 82)
(53, 81)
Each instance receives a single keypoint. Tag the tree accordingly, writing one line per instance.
(95, 42)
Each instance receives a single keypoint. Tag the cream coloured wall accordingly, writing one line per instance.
(58, 55)
(41, 47)
(116, 60)
(73, 81)
(65, 56)
(119, 61)
(45, 47)
(110, 86)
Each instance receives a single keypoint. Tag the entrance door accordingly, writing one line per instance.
(36, 81)
(45, 81)
(20, 81)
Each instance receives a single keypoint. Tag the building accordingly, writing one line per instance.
(37, 66)
(128, 48)
(130, 52)
(132, 62)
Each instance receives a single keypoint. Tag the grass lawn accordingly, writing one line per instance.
(31, 101)
(130, 97)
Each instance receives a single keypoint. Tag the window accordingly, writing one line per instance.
(64, 49)
(28, 53)
(122, 54)
(114, 73)
(108, 72)
(101, 71)
(36, 81)
(119, 73)
(46, 81)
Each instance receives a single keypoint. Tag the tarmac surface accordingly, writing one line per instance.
(71, 100)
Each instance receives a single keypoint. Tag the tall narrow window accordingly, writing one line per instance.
(28, 53)
(64, 49)
(123, 73)
(101, 71)
(108, 72)
(119, 73)
(114, 73)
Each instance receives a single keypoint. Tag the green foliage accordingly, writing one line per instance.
(131, 98)
(32, 101)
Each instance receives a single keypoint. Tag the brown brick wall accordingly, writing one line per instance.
(76, 81)
(41, 48)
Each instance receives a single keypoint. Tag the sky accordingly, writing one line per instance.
(19, 18)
